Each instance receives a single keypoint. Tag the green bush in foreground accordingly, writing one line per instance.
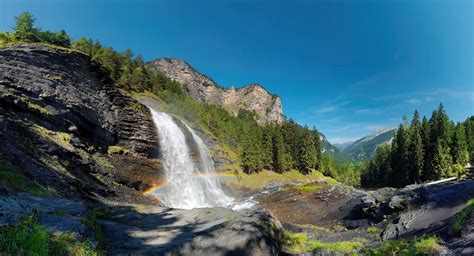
(30, 238)
(463, 215)
(421, 246)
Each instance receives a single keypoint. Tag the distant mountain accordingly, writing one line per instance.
(252, 97)
(365, 147)
(343, 145)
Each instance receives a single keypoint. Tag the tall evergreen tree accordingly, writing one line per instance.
(469, 128)
(427, 148)
(459, 148)
(400, 156)
(415, 151)
(307, 155)
(317, 145)
(281, 157)
(441, 162)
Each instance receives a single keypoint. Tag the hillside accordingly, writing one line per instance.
(364, 148)
(252, 97)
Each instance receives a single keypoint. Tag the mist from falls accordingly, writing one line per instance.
(188, 184)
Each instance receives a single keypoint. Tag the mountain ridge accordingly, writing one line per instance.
(251, 97)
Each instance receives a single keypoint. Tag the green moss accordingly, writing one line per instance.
(102, 161)
(60, 138)
(306, 188)
(341, 247)
(11, 177)
(373, 230)
(463, 215)
(36, 190)
(117, 150)
(32, 105)
(331, 181)
(294, 242)
(136, 107)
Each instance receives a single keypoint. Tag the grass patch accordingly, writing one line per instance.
(11, 177)
(294, 242)
(117, 150)
(60, 138)
(373, 230)
(36, 190)
(427, 246)
(264, 178)
(307, 188)
(28, 237)
(418, 246)
(463, 215)
(342, 247)
(102, 161)
(32, 105)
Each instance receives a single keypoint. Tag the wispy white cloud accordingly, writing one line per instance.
(414, 101)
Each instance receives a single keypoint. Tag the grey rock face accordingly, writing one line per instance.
(61, 113)
(252, 97)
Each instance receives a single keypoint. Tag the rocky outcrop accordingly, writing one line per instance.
(67, 127)
(213, 231)
(252, 97)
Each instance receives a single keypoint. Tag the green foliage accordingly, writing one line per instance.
(91, 221)
(373, 230)
(295, 242)
(30, 238)
(11, 177)
(36, 190)
(25, 31)
(307, 187)
(424, 151)
(419, 246)
(337, 247)
(463, 215)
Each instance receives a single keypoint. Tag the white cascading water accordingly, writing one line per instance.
(185, 188)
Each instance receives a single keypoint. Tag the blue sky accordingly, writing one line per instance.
(347, 67)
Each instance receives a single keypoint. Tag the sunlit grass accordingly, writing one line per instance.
(463, 215)
(264, 178)
(338, 247)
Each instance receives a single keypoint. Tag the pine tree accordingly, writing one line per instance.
(267, 146)
(459, 148)
(415, 151)
(427, 148)
(399, 157)
(441, 162)
(317, 145)
(307, 155)
(469, 128)
(281, 158)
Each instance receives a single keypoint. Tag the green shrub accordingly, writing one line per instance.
(294, 241)
(11, 177)
(373, 230)
(30, 238)
(25, 238)
(426, 246)
(463, 215)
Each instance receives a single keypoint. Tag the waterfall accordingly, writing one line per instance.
(188, 185)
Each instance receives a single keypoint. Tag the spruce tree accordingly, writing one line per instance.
(427, 149)
(415, 151)
(281, 158)
(307, 155)
(441, 162)
(399, 157)
(469, 129)
(317, 145)
(459, 149)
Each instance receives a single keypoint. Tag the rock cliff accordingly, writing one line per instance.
(68, 128)
(252, 97)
